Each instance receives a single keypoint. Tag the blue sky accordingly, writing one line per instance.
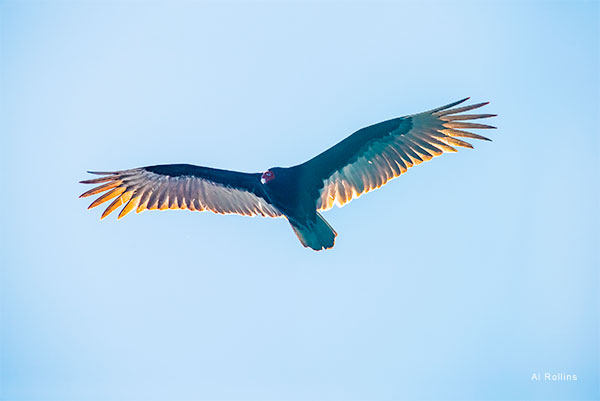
(458, 280)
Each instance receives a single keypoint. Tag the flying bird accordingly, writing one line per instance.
(364, 161)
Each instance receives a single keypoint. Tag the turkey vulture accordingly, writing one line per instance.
(364, 161)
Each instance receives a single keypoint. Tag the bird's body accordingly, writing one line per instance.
(364, 161)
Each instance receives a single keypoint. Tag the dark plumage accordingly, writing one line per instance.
(364, 161)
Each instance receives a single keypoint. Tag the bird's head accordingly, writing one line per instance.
(267, 176)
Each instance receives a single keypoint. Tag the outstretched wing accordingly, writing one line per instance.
(372, 156)
(181, 186)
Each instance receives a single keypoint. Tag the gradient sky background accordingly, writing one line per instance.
(459, 280)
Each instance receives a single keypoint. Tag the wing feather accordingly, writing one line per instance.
(153, 202)
(466, 117)
(443, 111)
(143, 198)
(463, 134)
(107, 196)
(181, 186)
(133, 202)
(101, 188)
(467, 125)
(120, 200)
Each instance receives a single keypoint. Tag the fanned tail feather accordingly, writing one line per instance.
(317, 235)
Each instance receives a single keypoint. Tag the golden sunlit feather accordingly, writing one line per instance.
(116, 203)
(107, 196)
(99, 189)
(467, 125)
(463, 134)
(133, 202)
(466, 117)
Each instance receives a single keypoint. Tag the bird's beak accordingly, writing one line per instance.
(263, 180)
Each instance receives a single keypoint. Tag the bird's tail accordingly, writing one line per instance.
(316, 234)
